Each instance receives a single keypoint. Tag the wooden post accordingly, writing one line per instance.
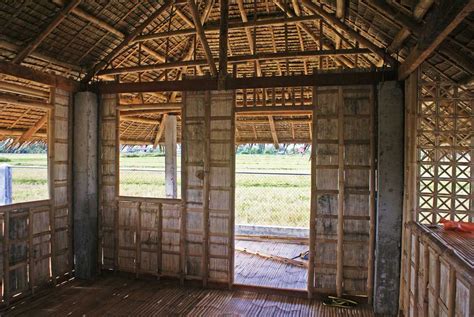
(170, 157)
(340, 199)
(314, 204)
(6, 260)
(370, 260)
(206, 189)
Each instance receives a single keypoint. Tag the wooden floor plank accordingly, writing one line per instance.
(114, 295)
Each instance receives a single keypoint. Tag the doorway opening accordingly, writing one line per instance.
(272, 211)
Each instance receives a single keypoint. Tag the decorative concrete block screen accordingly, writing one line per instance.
(445, 144)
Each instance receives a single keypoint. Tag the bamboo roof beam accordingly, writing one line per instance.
(127, 40)
(59, 17)
(31, 131)
(9, 99)
(351, 32)
(161, 129)
(248, 34)
(448, 15)
(23, 90)
(202, 37)
(236, 59)
(139, 120)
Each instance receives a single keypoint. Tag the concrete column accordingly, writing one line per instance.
(171, 187)
(389, 197)
(6, 190)
(85, 189)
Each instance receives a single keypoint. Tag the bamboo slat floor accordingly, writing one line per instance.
(259, 271)
(120, 296)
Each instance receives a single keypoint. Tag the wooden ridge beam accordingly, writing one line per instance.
(31, 131)
(447, 16)
(9, 99)
(330, 18)
(237, 59)
(58, 18)
(127, 40)
(201, 84)
(233, 25)
(31, 74)
(202, 36)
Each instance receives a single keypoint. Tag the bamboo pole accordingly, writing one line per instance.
(314, 203)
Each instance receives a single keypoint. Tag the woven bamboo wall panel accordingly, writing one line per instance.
(437, 276)
(208, 156)
(108, 180)
(61, 176)
(343, 192)
(26, 249)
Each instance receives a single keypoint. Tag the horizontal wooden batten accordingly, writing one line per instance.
(150, 106)
(235, 59)
(23, 90)
(205, 83)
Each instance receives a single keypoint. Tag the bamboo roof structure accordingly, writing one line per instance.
(167, 41)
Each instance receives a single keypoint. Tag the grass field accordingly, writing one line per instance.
(261, 199)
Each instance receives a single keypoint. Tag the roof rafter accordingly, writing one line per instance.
(202, 36)
(448, 15)
(351, 32)
(59, 17)
(32, 130)
(127, 40)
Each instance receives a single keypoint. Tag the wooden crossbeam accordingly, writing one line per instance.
(23, 90)
(351, 32)
(9, 99)
(200, 84)
(202, 36)
(59, 17)
(448, 15)
(238, 59)
(150, 106)
(31, 131)
(127, 40)
(28, 73)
